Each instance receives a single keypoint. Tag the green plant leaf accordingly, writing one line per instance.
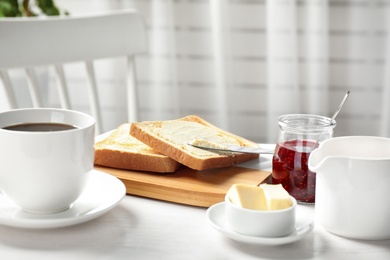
(14, 8)
(48, 7)
(9, 8)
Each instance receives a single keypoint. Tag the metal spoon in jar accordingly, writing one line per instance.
(332, 120)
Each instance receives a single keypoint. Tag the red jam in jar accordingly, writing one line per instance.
(289, 168)
(299, 134)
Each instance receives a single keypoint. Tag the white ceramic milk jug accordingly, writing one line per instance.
(353, 186)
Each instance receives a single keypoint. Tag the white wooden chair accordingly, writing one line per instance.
(30, 42)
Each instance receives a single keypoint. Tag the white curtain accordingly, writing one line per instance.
(297, 59)
(241, 64)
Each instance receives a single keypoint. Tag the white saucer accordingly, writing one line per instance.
(102, 193)
(216, 216)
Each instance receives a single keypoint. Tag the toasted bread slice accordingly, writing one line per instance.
(171, 137)
(121, 150)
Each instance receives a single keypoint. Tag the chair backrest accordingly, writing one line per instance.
(30, 42)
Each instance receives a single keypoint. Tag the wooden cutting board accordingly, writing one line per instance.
(187, 186)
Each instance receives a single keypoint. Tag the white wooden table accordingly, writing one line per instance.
(141, 228)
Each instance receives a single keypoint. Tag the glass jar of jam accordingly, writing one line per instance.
(299, 134)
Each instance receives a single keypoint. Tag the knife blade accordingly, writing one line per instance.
(235, 148)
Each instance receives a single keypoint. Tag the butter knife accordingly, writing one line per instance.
(235, 148)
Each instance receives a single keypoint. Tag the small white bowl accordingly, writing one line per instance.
(260, 223)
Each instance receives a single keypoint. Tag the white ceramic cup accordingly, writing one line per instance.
(260, 223)
(45, 172)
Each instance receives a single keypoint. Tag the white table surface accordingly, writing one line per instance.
(142, 228)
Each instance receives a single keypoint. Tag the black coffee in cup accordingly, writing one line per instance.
(40, 127)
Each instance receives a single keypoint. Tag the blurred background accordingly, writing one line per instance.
(242, 63)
